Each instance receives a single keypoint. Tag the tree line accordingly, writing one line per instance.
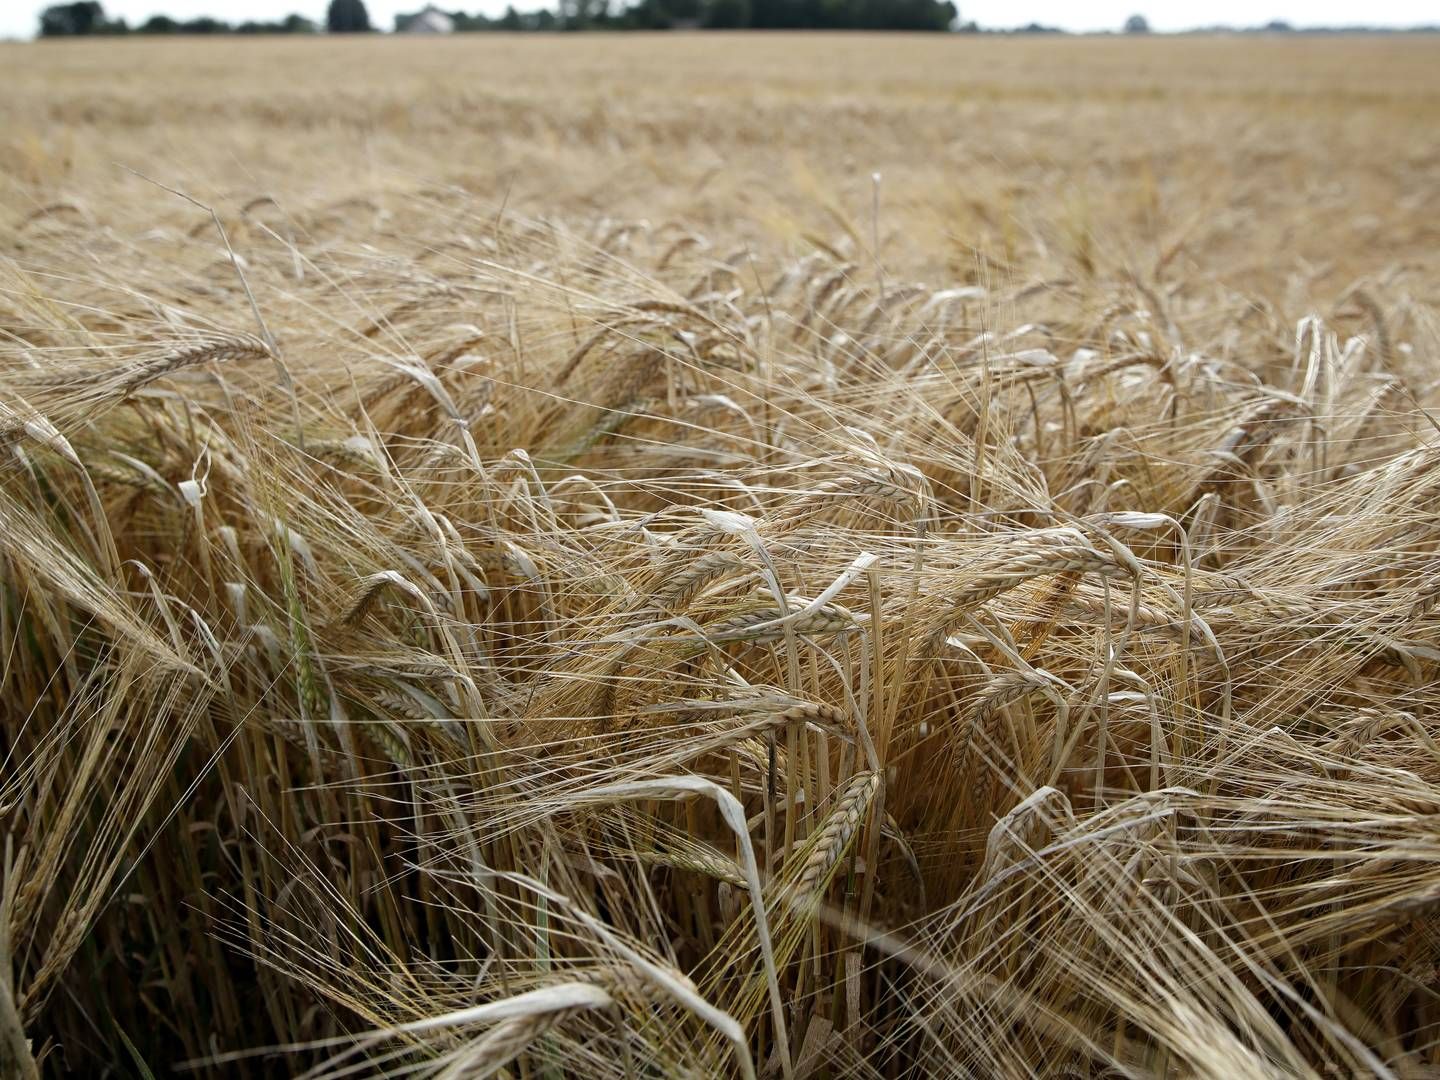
(933, 15)
(88, 17)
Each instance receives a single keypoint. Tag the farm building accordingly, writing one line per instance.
(430, 21)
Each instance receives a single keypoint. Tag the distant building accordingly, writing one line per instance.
(430, 21)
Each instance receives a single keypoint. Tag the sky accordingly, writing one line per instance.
(18, 18)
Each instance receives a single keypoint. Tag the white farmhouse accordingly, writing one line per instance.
(430, 21)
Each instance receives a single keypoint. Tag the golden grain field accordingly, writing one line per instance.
(720, 555)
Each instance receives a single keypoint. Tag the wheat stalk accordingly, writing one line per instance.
(233, 349)
(831, 840)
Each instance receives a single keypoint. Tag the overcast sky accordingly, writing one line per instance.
(18, 17)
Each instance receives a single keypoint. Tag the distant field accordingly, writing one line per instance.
(706, 555)
(1032, 152)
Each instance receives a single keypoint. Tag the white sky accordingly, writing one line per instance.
(18, 18)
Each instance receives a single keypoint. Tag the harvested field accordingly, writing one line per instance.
(708, 555)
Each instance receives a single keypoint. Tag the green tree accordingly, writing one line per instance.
(347, 17)
(777, 14)
(726, 14)
(465, 23)
(582, 14)
(72, 20)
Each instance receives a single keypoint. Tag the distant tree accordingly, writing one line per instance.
(205, 25)
(1137, 24)
(1278, 26)
(681, 12)
(777, 14)
(347, 17)
(468, 23)
(582, 14)
(158, 24)
(72, 20)
(291, 24)
(511, 20)
(726, 14)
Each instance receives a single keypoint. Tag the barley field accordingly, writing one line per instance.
(704, 555)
